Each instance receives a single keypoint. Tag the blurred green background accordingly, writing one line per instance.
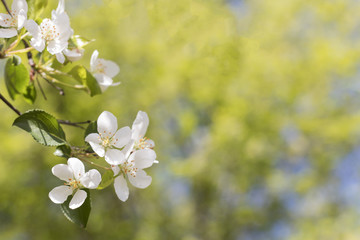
(254, 109)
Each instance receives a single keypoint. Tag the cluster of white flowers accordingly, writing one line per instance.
(127, 151)
(54, 34)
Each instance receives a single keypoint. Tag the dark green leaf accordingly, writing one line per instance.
(16, 77)
(91, 128)
(106, 179)
(42, 126)
(30, 94)
(79, 216)
(63, 151)
(83, 76)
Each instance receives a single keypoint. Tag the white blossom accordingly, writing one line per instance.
(14, 22)
(54, 32)
(75, 179)
(103, 71)
(132, 169)
(108, 141)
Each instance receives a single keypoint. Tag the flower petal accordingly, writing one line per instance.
(93, 59)
(18, 5)
(57, 46)
(114, 157)
(74, 54)
(77, 167)
(8, 32)
(78, 199)
(63, 171)
(140, 126)
(107, 124)
(111, 68)
(96, 144)
(60, 57)
(121, 188)
(128, 148)
(121, 137)
(115, 169)
(61, 7)
(5, 20)
(21, 19)
(91, 179)
(103, 81)
(140, 180)
(37, 41)
(59, 194)
(144, 158)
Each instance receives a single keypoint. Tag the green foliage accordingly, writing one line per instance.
(84, 77)
(16, 77)
(107, 178)
(79, 216)
(43, 127)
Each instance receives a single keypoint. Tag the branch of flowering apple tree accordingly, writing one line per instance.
(125, 151)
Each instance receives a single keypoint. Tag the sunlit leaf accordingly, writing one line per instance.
(16, 77)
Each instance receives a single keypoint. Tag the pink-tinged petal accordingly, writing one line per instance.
(140, 180)
(121, 188)
(144, 158)
(74, 54)
(18, 5)
(121, 137)
(8, 32)
(91, 179)
(77, 167)
(93, 59)
(5, 20)
(78, 199)
(140, 126)
(59, 194)
(60, 57)
(21, 19)
(114, 157)
(111, 68)
(107, 124)
(63, 171)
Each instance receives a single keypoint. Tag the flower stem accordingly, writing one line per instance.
(25, 50)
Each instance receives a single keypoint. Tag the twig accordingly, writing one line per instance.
(6, 7)
(92, 163)
(40, 87)
(9, 104)
(61, 91)
(74, 124)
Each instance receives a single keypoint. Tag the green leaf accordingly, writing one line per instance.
(16, 77)
(30, 94)
(78, 41)
(79, 216)
(63, 151)
(106, 179)
(83, 76)
(42, 126)
(36, 7)
(91, 128)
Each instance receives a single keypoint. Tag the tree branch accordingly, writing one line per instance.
(6, 7)
(74, 124)
(9, 105)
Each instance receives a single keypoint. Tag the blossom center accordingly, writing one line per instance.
(48, 30)
(100, 66)
(143, 143)
(73, 183)
(12, 20)
(130, 168)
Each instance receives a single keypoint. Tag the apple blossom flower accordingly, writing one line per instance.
(132, 169)
(108, 141)
(54, 32)
(15, 21)
(75, 179)
(103, 71)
